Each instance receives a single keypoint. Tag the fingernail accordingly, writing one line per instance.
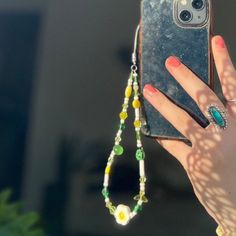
(149, 89)
(173, 61)
(220, 42)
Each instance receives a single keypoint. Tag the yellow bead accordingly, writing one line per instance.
(128, 91)
(123, 115)
(136, 104)
(108, 170)
(137, 124)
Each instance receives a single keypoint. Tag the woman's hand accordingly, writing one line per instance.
(211, 161)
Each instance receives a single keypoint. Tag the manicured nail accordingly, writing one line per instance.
(173, 61)
(149, 89)
(220, 42)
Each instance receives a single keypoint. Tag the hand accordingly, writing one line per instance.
(211, 160)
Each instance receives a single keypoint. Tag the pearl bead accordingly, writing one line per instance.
(107, 200)
(141, 168)
(140, 202)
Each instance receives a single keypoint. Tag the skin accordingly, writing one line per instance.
(210, 162)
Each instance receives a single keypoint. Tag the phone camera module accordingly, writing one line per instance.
(185, 16)
(198, 4)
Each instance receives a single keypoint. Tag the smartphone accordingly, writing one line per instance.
(182, 28)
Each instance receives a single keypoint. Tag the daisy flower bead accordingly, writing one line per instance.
(122, 214)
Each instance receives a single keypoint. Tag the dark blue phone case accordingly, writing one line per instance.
(160, 37)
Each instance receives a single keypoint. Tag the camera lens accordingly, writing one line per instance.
(197, 4)
(185, 16)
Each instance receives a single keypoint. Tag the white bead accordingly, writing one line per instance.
(106, 180)
(119, 133)
(139, 144)
(124, 109)
(122, 121)
(142, 186)
(112, 154)
(135, 97)
(117, 143)
(107, 199)
(130, 82)
(137, 129)
(135, 83)
(141, 168)
(126, 100)
(136, 112)
(109, 163)
(132, 214)
(140, 202)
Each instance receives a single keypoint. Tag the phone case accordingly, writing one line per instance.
(160, 38)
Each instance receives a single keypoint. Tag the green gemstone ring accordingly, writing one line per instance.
(217, 116)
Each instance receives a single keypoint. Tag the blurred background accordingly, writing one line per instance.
(63, 70)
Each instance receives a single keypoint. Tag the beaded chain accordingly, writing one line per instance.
(122, 213)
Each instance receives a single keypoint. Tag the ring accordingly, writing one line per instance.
(217, 116)
(231, 100)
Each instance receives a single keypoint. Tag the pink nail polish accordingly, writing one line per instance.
(173, 61)
(149, 89)
(220, 42)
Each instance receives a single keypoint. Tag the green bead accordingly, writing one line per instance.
(140, 155)
(137, 208)
(105, 192)
(122, 126)
(118, 149)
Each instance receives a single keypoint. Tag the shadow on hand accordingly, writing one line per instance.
(211, 164)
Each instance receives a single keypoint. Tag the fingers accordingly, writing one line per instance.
(178, 149)
(225, 67)
(179, 118)
(194, 86)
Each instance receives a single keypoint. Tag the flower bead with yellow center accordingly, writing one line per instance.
(123, 115)
(122, 214)
(137, 124)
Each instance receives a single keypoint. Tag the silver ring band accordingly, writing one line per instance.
(231, 100)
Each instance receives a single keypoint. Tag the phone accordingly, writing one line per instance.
(181, 28)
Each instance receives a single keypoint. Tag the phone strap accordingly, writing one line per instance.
(123, 213)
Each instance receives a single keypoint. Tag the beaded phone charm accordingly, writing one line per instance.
(122, 213)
